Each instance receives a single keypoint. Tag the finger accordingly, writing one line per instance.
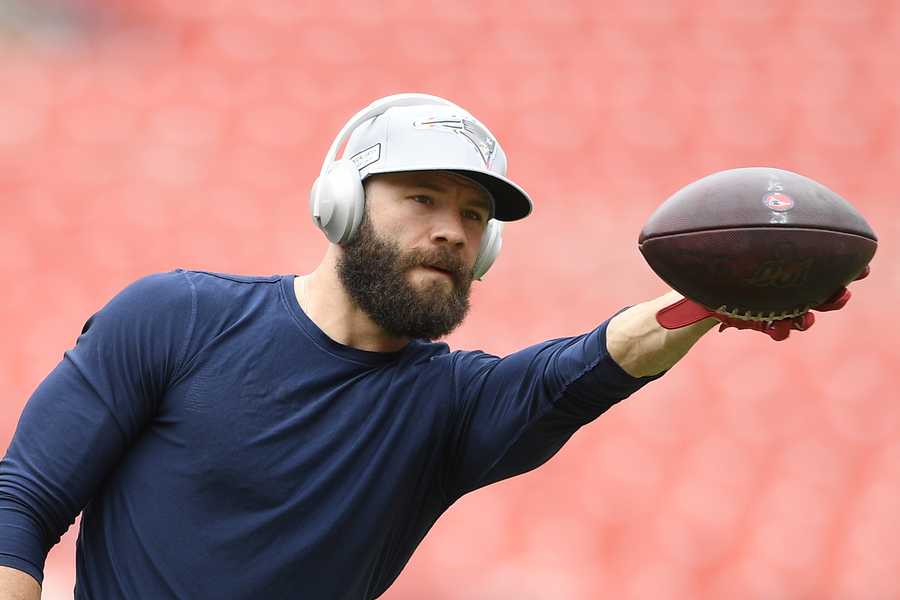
(779, 330)
(836, 302)
(804, 321)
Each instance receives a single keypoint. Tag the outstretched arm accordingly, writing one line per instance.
(638, 342)
(514, 413)
(642, 347)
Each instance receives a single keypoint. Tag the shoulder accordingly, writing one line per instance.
(208, 281)
(180, 295)
(182, 309)
(224, 300)
(467, 363)
(420, 352)
(229, 279)
(152, 295)
(143, 328)
(220, 290)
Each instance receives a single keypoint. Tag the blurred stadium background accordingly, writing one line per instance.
(142, 135)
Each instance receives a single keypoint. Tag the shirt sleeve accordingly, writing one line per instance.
(515, 413)
(87, 412)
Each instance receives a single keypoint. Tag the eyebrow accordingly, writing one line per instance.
(483, 201)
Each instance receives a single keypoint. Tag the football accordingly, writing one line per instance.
(757, 243)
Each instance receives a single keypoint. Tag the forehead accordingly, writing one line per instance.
(441, 182)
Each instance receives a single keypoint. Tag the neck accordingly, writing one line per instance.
(323, 298)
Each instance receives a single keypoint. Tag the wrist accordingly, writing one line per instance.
(642, 347)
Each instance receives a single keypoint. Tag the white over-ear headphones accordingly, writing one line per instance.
(337, 199)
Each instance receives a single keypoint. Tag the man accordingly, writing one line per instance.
(297, 437)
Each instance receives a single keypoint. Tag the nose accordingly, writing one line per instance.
(447, 228)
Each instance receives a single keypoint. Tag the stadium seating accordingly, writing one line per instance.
(142, 136)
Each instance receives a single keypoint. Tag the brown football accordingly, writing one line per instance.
(757, 242)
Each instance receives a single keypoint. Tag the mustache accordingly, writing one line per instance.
(441, 258)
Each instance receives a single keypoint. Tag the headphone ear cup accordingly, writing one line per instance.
(491, 242)
(337, 200)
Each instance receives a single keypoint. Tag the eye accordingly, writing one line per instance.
(473, 215)
(422, 199)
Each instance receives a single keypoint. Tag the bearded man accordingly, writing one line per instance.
(296, 437)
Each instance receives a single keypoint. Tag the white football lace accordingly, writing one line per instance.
(749, 315)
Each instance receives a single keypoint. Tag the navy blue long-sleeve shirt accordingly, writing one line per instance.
(220, 445)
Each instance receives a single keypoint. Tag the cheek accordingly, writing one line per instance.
(405, 237)
(475, 239)
(390, 228)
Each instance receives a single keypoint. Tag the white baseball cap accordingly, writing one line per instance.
(434, 137)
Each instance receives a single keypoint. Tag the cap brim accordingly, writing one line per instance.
(511, 203)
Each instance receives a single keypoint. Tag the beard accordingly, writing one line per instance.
(374, 272)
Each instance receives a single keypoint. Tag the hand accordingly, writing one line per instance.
(686, 312)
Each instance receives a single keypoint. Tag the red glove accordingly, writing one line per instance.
(687, 312)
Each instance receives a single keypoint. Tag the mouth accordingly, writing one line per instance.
(439, 270)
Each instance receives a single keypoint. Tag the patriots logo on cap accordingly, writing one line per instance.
(468, 128)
